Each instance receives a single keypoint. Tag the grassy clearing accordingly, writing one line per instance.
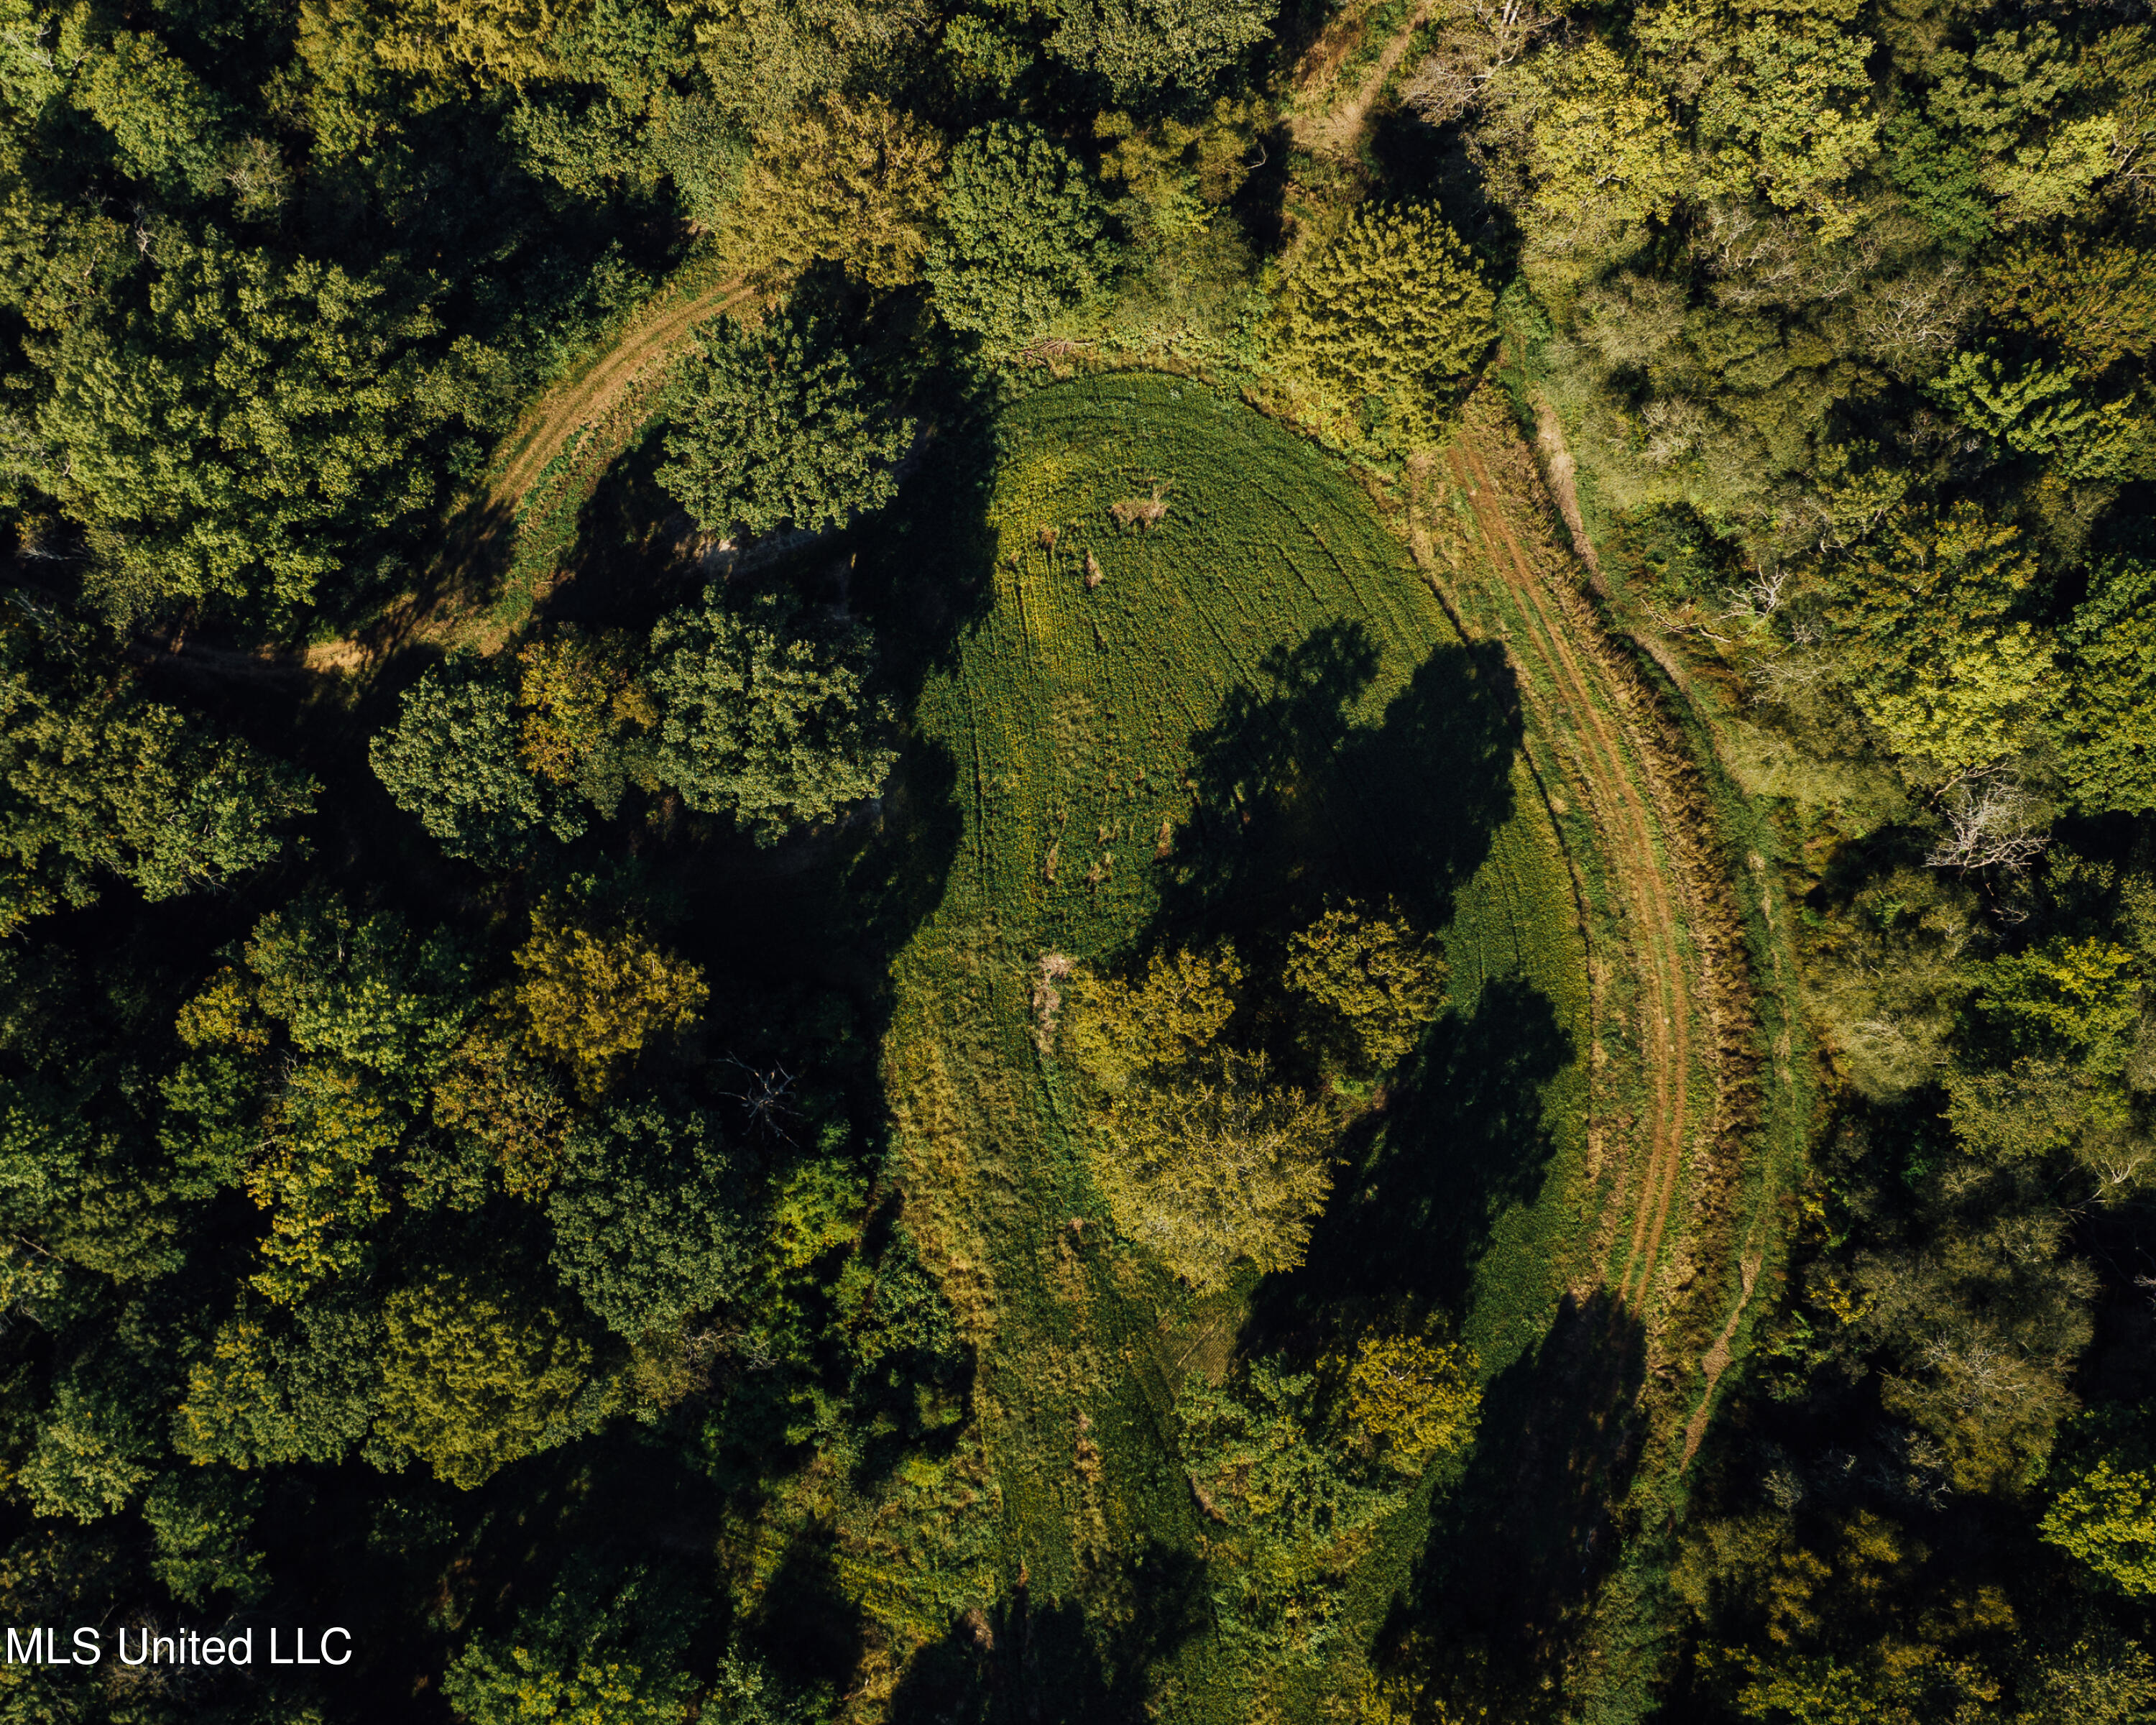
(1255, 703)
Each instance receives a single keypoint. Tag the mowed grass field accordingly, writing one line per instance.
(1155, 736)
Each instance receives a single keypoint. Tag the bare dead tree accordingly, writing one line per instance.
(1991, 823)
(1478, 41)
(766, 1099)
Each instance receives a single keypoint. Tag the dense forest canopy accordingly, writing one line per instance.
(485, 485)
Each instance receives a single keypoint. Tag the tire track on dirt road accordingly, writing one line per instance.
(651, 343)
(1617, 763)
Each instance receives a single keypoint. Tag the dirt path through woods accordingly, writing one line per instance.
(650, 343)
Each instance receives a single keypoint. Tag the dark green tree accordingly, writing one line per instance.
(650, 1220)
(97, 778)
(454, 759)
(1025, 236)
(776, 427)
(762, 718)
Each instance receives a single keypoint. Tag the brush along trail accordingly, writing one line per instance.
(1671, 1096)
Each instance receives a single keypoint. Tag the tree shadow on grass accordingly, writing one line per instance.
(1519, 1551)
(1295, 799)
(1416, 1202)
(1046, 1664)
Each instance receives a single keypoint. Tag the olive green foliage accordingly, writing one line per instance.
(764, 715)
(2108, 718)
(1215, 1167)
(776, 427)
(649, 1218)
(1409, 1400)
(583, 707)
(454, 759)
(476, 1375)
(1937, 646)
(1390, 312)
(602, 1646)
(1024, 237)
(1165, 1019)
(1287, 1509)
(594, 1001)
(1142, 45)
(1371, 984)
(99, 779)
(1204, 1159)
(856, 183)
(233, 438)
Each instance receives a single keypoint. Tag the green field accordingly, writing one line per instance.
(1258, 704)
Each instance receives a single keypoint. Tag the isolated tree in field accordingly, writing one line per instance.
(763, 719)
(594, 1002)
(1391, 308)
(96, 779)
(454, 759)
(1370, 982)
(474, 1377)
(1147, 45)
(1214, 1165)
(855, 181)
(776, 427)
(1162, 1021)
(1025, 236)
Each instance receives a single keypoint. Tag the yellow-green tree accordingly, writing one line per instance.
(581, 700)
(473, 1379)
(1390, 312)
(856, 182)
(1215, 1167)
(1409, 1400)
(1936, 653)
(594, 1002)
(2105, 1515)
(320, 1177)
(1162, 1019)
(1372, 982)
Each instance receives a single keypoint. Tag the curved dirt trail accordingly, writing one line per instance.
(1615, 761)
(1337, 130)
(650, 343)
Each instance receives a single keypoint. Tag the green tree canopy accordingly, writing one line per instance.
(97, 778)
(1372, 984)
(454, 758)
(651, 1221)
(1025, 236)
(1148, 44)
(2107, 721)
(763, 718)
(243, 434)
(775, 427)
(476, 1374)
(1392, 308)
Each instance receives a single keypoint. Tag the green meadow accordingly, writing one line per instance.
(1201, 715)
